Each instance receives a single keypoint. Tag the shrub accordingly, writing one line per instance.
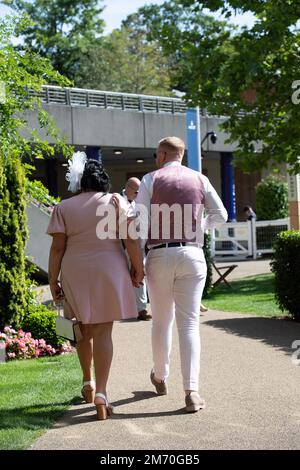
(271, 199)
(207, 254)
(21, 70)
(21, 345)
(286, 267)
(13, 236)
(40, 321)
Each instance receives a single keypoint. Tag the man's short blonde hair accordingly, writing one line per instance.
(172, 144)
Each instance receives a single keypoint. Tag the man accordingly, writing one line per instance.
(175, 265)
(131, 190)
(130, 193)
(249, 213)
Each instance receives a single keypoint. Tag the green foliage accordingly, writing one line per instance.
(20, 71)
(286, 267)
(271, 199)
(194, 43)
(125, 61)
(62, 30)
(36, 190)
(40, 321)
(208, 258)
(13, 236)
(246, 75)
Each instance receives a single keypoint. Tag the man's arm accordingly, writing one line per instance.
(215, 210)
(57, 251)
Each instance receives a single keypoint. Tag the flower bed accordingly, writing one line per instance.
(21, 345)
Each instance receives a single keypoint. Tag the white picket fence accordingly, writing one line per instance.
(249, 238)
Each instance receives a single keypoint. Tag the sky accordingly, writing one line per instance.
(117, 10)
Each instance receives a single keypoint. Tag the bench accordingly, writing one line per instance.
(222, 276)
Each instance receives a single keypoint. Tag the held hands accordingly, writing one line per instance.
(56, 291)
(137, 276)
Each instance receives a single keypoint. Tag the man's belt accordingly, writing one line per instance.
(171, 244)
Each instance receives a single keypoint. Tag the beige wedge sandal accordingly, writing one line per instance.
(104, 410)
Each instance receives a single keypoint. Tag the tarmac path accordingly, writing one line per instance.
(249, 381)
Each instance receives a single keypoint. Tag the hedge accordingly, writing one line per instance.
(207, 254)
(286, 267)
(13, 236)
(40, 321)
(271, 199)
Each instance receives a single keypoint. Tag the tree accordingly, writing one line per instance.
(62, 30)
(194, 42)
(246, 75)
(272, 198)
(126, 61)
(20, 72)
(13, 236)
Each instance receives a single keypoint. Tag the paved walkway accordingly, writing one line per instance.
(249, 381)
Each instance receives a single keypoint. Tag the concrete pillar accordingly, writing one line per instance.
(294, 200)
(228, 187)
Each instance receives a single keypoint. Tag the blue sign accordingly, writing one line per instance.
(94, 153)
(193, 139)
(228, 187)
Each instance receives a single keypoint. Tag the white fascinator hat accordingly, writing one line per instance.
(75, 171)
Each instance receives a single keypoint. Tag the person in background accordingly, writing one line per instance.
(249, 213)
(91, 274)
(130, 193)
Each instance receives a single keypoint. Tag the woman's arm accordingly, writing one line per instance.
(57, 251)
(132, 246)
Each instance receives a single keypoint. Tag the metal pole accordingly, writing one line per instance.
(254, 244)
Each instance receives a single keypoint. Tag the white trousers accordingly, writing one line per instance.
(141, 297)
(139, 292)
(175, 279)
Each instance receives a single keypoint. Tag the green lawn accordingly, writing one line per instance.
(249, 295)
(33, 394)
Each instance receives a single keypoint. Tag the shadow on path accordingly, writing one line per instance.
(277, 333)
(42, 416)
(78, 415)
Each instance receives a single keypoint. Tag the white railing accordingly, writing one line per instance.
(109, 100)
(246, 238)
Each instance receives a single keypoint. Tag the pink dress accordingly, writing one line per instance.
(94, 272)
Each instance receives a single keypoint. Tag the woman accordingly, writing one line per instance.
(94, 282)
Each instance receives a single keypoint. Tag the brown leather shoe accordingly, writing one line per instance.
(161, 386)
(193, 402)
(144, 315)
